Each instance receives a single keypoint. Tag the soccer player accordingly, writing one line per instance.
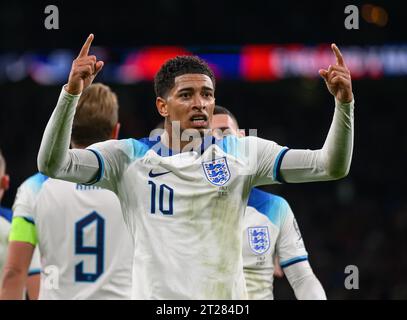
(5, 214)
(32, 283)
(86, 249)
(185, 197)
(270, 233)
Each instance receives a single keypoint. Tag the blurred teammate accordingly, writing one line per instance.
(270, 233)
(32, 277)
(185, 193)
(86, 249)
(5, 214)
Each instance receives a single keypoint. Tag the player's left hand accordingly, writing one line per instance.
(338, 79)
(278, 271)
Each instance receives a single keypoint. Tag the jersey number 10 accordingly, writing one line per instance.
(165, 193)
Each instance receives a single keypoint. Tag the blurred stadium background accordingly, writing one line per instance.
(266, 55)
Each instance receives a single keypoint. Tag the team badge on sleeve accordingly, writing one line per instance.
(217, 171)
(259, 239)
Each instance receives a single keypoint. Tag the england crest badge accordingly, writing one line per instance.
(217, 171)
(259, 239)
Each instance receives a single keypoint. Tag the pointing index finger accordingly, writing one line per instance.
(85, 49)
(338, 55)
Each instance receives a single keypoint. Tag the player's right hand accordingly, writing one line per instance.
(337, 78)
(84, 69)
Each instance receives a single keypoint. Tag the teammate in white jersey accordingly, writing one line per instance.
(270, 231)
(86, 249)
(32, 278)
(186, 197)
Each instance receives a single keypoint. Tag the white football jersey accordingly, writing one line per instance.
(187, 210)
(86, 249)
(269, 229)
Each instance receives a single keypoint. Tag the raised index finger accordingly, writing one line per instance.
(85, 49)
(338, 55)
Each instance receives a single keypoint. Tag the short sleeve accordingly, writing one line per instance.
(290, 245)
(23, 223)
(27, 193)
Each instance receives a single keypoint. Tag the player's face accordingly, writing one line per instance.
(223, 125)
(191, 101)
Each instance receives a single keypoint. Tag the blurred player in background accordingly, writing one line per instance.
(270, 234)
(31, 286)
(5, 214)
(86, 249)
(184, 193)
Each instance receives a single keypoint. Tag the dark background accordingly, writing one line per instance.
(360, 220)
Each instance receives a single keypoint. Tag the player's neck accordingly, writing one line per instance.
(77, 146)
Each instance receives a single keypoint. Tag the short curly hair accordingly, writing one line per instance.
(164, 79)
(222, 110)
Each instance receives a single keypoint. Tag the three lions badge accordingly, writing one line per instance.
(217, 171)
(259, 239)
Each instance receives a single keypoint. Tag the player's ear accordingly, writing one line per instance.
(241, 133)
(5, 182)
(162, 107)
(115, 131)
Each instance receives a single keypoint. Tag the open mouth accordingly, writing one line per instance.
(199, 120)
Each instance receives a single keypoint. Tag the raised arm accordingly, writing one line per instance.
(54, 158)
(334, 159)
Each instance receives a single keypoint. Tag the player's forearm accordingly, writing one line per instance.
(33, 286)
(333, 160)
(305, 284)
(12, 287)
(309, 288)
(338, 146)
(53, 154)
(54, 158)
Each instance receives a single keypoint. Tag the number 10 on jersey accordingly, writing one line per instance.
(165, 198)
